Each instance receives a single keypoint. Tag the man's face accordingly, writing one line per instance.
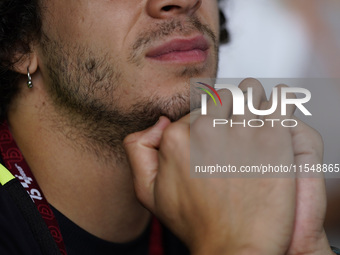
(123, 63)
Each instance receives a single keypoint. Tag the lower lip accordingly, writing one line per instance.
(183, 57)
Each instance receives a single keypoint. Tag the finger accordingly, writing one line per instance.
(192, 117)
(311, 193)
(308, 148)
(142, 152)
(221, 108)
(254, 95)
(290, 108)
(217, 104)
(189, 118)
(307, 209)
(276, 100)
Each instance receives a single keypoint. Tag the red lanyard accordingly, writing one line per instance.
(17, 165)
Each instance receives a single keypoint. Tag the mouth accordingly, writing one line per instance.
(181, 51)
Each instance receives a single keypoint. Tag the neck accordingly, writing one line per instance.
(95, 193)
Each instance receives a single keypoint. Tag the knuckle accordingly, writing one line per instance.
(251, 82)
(282, 86)
(257, 88)
(225, 94)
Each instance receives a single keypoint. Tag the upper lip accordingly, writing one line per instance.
(178, 45)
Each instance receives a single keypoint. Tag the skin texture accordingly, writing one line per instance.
(94, 83)
(105, 69)
(250, 215)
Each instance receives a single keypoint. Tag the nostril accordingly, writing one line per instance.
(166, 9)
(170, 7)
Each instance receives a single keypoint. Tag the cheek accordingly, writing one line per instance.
(62, 20)
(97, 25)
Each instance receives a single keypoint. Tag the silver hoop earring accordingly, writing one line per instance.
(29, 79)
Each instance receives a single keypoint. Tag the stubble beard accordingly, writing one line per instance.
(83, 88)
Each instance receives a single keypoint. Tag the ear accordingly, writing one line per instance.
(28, 60)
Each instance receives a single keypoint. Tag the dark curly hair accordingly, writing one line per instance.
(20, 25)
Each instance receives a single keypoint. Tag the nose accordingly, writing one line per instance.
(165, 9)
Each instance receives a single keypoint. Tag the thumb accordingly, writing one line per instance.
(308, 147)
(142, 152)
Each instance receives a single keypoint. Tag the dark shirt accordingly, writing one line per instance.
(16, 235)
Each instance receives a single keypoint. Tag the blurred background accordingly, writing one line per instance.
(293, 39)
